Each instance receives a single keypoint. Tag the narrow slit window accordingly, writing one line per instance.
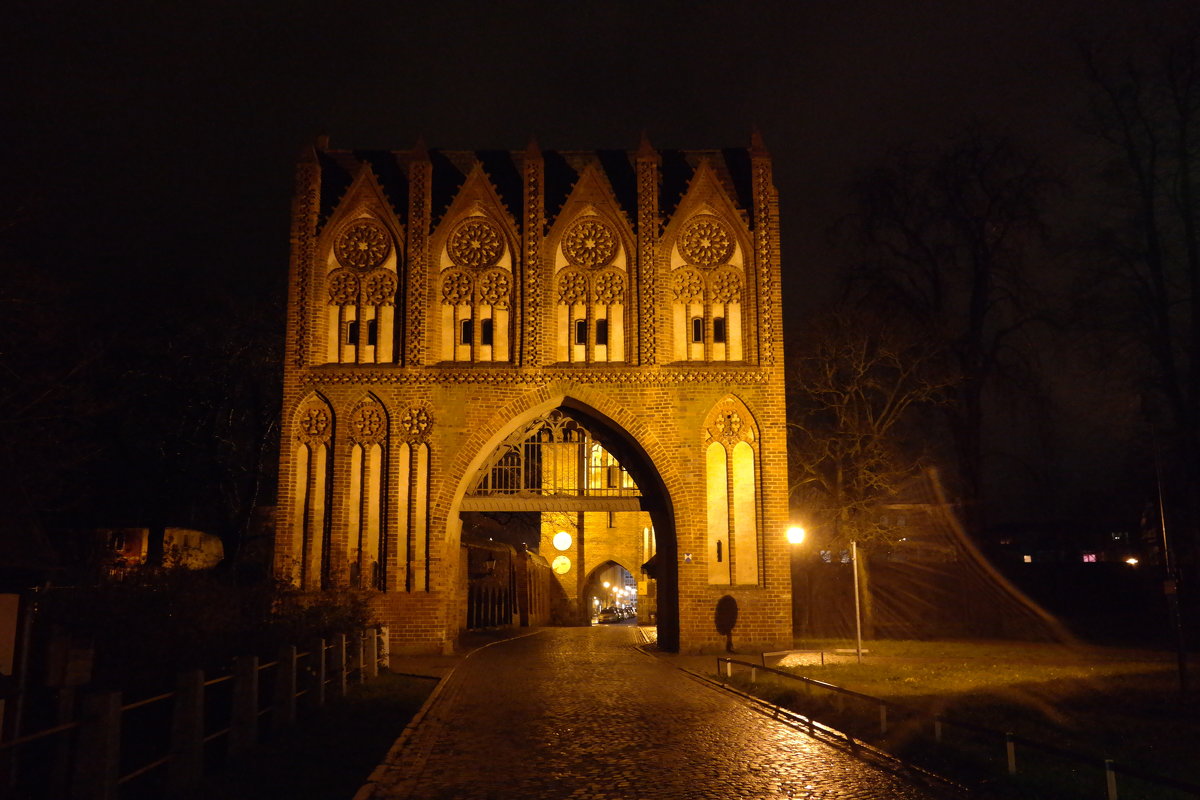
(467, 332)
(719, 330)
(697, 329)
(719, 553)
(485, 332)
(352, 332)
(581, 331)
(602, 332)
(372, 332)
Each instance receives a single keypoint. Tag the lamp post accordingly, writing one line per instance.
(857, 607)
(795, 537)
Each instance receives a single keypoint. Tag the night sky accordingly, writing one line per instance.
(149, 147)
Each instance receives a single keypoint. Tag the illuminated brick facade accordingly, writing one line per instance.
(440, 300)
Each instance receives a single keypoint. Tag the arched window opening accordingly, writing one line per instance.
(476, 284)
(707, 285)
(591, 287)
(362, 286)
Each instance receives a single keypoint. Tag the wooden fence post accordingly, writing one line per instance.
(371, 657)
(339, 665)
(98, 756)
(243, 725)
(317, 674)
(187, 735)
(285, 689)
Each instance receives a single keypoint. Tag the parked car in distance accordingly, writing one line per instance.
(609, 615)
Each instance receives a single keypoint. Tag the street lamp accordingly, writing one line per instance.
(795, 535)
(857, 607)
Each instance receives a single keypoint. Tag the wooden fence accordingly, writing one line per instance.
(94, 757)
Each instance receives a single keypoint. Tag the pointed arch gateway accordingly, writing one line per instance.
(592, 480)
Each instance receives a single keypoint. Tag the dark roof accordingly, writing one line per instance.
(562, 169)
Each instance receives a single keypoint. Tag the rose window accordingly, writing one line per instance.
(572, 288)
(589, 243)
(730, 424)
(368, 423)
(343, 288)
(363, 245)
(379, 288)
(687, 286)
(706, 242)
(727, 287)
(476, 243)
(456, 288)
(416, 422)
(494, 288)
(610, 288)
(314, 422)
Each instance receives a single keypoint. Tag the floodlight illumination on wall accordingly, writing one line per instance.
(562, 540)
(795, 534)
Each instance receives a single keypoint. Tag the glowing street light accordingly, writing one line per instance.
(795, 535)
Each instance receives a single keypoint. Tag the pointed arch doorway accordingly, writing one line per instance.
(599, 499)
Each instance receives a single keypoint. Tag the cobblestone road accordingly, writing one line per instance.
(579, 713)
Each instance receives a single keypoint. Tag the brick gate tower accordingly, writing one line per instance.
(451, 312)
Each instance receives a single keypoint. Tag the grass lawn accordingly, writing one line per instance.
(1098, 701)
(329, 754)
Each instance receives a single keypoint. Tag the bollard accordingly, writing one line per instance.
(285, 689)
(98, 753)
(754, 674)
(1011, 747)
(187, 735)
(882, 719)
(1110, 775)
(937, 729)
(243, 724)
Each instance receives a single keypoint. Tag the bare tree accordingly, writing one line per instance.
(944, 239)
(1142, 288)
(857, 387)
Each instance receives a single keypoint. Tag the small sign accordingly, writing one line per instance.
(687, 558)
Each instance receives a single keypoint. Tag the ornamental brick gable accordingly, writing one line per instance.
(443, 301)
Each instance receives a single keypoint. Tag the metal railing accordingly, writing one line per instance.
(937, 725)
(92, 756)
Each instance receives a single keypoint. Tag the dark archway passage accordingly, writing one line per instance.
(599, 498)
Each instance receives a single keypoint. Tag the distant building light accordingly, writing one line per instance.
(1089, 558)
(1028, 559)
(1131, 561)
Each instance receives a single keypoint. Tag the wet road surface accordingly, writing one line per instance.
(579, 713)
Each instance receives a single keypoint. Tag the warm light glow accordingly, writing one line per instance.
(607, 584)
(561, 565)
(562, 540)
(795, 534)
(1131, 561)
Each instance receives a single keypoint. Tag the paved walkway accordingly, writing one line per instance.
(580, 713)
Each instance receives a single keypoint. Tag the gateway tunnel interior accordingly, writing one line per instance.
(568, 519)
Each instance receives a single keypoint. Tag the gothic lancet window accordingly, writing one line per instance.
(362, 295)
(311, 486)
(476, 293)
(591, 290)
(707, 291)
(731, 459)
(365, 544)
